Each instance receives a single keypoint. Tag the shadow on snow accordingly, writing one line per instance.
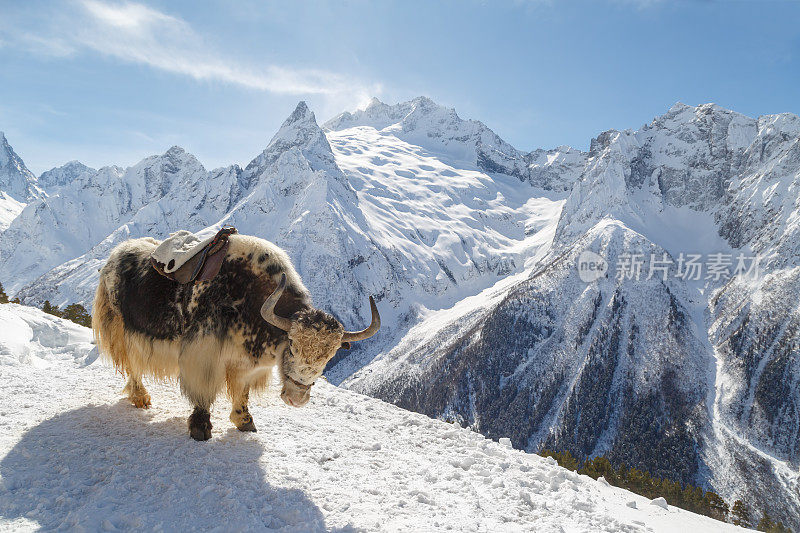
(109, 467)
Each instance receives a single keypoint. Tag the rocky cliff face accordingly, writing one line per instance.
(18, 185)
(16, 181)
(471, 248)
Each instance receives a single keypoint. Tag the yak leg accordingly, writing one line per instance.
(136, 392)
(200, 423)
(240, 394)
(201, 376)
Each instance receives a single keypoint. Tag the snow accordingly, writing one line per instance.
(438, 129)
(442, 221)
(660, 502)
(9, 210)
(73, 455)
(434, 211)
(31, 337)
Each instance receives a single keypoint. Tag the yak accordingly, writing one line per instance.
(231, 330)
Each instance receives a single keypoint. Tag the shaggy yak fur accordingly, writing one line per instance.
(212, 333)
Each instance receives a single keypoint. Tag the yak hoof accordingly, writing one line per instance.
(200, 433)
(200, 424)
(141, 402)
(249, 426)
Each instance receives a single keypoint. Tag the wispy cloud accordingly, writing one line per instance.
(137, 33)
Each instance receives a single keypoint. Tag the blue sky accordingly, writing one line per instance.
(109, 82)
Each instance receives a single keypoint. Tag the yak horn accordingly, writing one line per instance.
(268, 309)
(352, 336)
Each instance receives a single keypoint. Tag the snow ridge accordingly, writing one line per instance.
(424, 123)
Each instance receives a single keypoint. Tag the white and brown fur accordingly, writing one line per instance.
(210, 334)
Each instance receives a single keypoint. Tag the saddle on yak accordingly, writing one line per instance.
(185, 258)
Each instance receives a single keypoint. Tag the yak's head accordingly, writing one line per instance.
(314, 338)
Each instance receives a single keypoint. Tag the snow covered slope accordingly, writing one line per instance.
(73, 455)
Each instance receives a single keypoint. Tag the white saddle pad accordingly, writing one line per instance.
(179, 247)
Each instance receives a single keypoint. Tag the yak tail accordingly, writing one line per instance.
(107, 325)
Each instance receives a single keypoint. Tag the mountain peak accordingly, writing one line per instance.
(677, 107)
(300, 114)
(178, 153)
(299, 128)
(380, 115)
(15, 178)
(687, 113)
(175, 149)
(67, 173)
(374, 102)
(171, 160)
(301, 131)
(302, 119)
(6, 152)
(425, 101)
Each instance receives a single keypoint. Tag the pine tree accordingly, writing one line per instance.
(600, 466)
(641, 482)
(767, 524)
(78, 314)
(3, 295)
(741, 514)
(564, 459)
(717, 506)
(50, 309)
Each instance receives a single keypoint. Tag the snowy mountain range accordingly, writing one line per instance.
(472, 250)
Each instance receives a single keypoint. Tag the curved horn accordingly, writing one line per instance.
(352, 336)
(268, 309)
